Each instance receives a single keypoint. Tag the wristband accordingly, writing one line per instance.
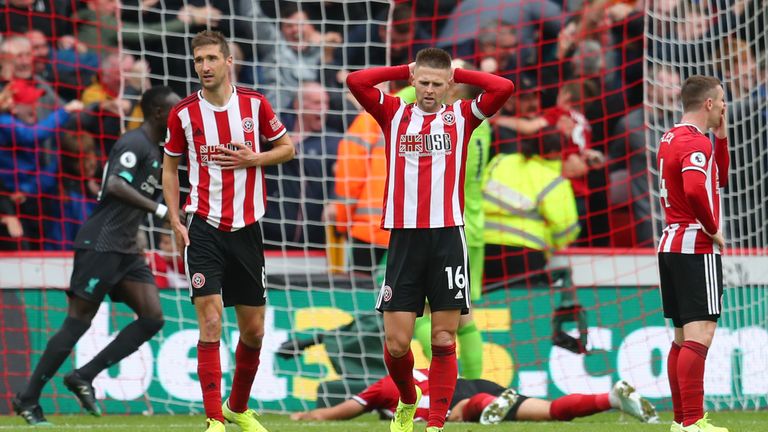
(161, 211)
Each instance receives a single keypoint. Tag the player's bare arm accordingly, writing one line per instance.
(171, 196)
(119, 188)
(343, 411)
(244, 157)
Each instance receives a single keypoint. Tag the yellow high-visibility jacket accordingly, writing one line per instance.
(528, 204)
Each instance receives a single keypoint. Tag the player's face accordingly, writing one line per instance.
(432, 86)
(212, 67)
(718, 108)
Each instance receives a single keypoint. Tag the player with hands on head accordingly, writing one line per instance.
(109, 260)
(219, 129)
(426, 145)
(691, 172)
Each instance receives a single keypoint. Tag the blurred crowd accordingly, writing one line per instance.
(72, 71)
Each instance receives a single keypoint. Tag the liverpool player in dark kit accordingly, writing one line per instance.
(108, 260)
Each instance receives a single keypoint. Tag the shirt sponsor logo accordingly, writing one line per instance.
(247, 125)
(698, 159)
(150, 185)
(208, 152)
(425, 144)
(128, 159)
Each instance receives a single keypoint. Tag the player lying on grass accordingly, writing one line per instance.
(488, 403)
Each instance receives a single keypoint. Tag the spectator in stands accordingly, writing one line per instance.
(580, 157)
(52, 17)
(17, 63)
(499, 50)
(342, 17)
(104, 93)
(23, 168)
(530, 211)
(265, 31)
(520, 116)
(97, 25)
(78, 190)
(166, 263)
(689, 24)
(40, 52)
(300, 188)
(745, 87)
(241, 72)
(367, 44)
(535, 21)
(628, 152)
(235, 19)
(299, 56)
(69, 67)
(619, 27)
(586, 62)
(11, 230)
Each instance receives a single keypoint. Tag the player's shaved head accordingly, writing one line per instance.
(434, 58)
(696, 90)
(156, 98)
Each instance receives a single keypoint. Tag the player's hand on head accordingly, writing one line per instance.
(241, 157)
(411, 67)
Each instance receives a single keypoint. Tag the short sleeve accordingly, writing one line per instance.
(379, 395)
(269, 125)
(125, 160)
(696, 155)
(175, 139)
(471, 112)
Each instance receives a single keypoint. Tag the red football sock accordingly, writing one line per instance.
(475, 406)
(246, 365)
(443, 371)
(578, 405)
(677, 403)
(690, 376)
(209, 372)
(401, 371)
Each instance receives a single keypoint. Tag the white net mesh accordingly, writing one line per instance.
(725, 39)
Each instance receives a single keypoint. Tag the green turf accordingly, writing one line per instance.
(735, 421)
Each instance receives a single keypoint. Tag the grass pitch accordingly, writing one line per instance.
(611, 422)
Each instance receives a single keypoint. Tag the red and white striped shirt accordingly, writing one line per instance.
(383, 395)
(226, 199)
(426, 152)
(689, 188)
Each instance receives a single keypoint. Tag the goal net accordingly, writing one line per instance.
(604, 74)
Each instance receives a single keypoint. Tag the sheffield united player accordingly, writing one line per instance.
(218, 128)
(108, 260)
(691, 172)
(483, 401)
(426, 144)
